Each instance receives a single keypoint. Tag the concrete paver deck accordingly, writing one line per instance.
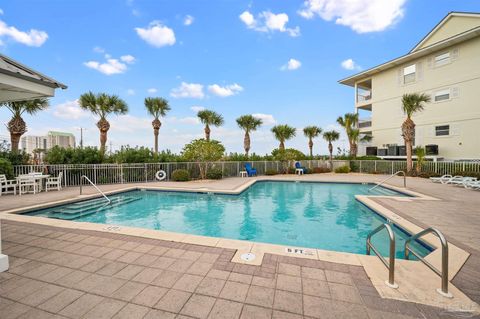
(59, 273)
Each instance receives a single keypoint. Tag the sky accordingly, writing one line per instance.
(278, 60)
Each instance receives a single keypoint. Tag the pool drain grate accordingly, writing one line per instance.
(248, 257)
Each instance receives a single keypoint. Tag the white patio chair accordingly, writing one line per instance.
(27, 185)
(444, 178)
(456, 178)
(472, 185)
(7, 185)
(54, 182)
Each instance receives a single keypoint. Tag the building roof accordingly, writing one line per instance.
(16, 69)
(55, 133)
(421, 49)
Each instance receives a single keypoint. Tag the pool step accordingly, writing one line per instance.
(385, 191)
(88, 208)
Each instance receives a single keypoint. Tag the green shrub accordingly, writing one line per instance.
(214, 173)
(342, 169)
(271, 172)
(16, 157)
(6, 168)
(180, 175)
(319, 170)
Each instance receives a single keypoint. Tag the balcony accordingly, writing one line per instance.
(363, 94)
(365, 125)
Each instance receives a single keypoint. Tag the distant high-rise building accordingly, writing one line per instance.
(61, 139)
(30, 143)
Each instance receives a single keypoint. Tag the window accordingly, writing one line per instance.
(442, 130)
(442, 95)
(442, 59)
(409, 74)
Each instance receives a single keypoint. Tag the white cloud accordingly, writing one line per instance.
(224, 91)
(152, 90)
(1, 12)
(157, 34)
(267, 21)
(188, 90)
(110, 66)
(291, 65)
(361, 16)
(33, 37)
(197, 108)
(131, 124)
(189, 120)
(188, 20)
(70, 110)
(131, 92)
(128, 58)
(267, 119)
(99, 50)
(349, 64)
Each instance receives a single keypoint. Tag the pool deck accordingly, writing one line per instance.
(328, 285)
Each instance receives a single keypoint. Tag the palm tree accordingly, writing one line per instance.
(411, 103)
(355, 137)
(349, 122)
(248, 123)
(311, 132)
(157, 107)
(283, 133)
(102, 104)
(330, 137)
(208, 118)
(17, 126)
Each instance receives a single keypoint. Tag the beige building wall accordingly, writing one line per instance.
(461, 77)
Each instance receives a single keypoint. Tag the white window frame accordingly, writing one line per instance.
(442, 58)
(440, 93)
(448, 130)
(409, 74)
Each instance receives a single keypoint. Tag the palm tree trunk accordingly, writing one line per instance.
(330, 150)
(246, 143)
(207, 133)
(281, 147)
(103, 126)
(408, 132)
(156, 128)
(17, 127)
(310, 146)
(354, 149)
(155, 133)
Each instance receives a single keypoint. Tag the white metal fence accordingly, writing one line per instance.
(145, 172)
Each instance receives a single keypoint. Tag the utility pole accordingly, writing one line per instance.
(81, 136)
(111, 146)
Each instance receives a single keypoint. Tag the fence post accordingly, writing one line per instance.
(392, 167)
(265, 165)
(360, 166)
(95, 173)
(375, 165)
(146, 175)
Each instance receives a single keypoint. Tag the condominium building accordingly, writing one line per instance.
(445, 64)
(30, 143)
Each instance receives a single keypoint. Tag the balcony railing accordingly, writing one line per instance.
(364, 97)
(364, 123)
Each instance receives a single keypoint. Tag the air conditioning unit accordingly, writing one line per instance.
(392, 150)
(371, 151)
(431, 149)
(402, 151)
(382, 152)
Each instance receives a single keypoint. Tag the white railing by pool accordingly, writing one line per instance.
(145, 172)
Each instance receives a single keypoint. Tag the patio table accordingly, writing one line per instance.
(40, 179)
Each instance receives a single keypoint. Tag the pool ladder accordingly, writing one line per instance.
(390, 264)
(391, 176)
(98, 189)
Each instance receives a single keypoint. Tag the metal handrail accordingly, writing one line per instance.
(391, 176)
(443, 273)
(391, 258)
(98, 189)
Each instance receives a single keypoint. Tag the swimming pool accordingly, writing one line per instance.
(299, 214)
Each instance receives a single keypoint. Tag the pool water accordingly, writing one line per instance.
(306, 214)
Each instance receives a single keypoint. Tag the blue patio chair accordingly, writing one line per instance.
(250, 171)
(298, 166)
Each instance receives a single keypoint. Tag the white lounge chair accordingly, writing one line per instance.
(444, 178)
(456, 178)
(462, 182)
(28, 184)
(472, 185)
(54, 182)
(7, 185)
